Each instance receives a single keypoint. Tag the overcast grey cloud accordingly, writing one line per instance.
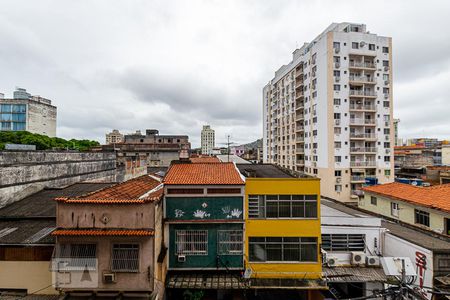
(175, 65)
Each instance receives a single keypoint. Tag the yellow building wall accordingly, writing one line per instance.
(34, 276)
(406, 213)
(283, 227)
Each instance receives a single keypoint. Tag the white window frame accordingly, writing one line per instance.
(230, 242)
(191, 242)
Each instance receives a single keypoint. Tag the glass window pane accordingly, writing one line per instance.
(311, 209)
(6, 117)
(291, 252)
(308, 252)
(298, 209)
(298, 197)
(5, 108)
(257, 252)
(273, 252)
(271, 209)
(272, 197)
(284, 209)
(285, 197)
(6, 126)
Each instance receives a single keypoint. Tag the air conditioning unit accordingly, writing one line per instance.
(386, 96)
(386, 82)
(358, 258)
(387, 124)
(386, 68)
(314, 151)
(109, 277)
(337, 78)
(337, 65)
(338, 180)
(372, 261)
(331, 261)
(181, 258)
(362, 44)
(337, 50)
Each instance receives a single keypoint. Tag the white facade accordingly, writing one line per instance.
(328, 113)
(114, 137)
(207, 140)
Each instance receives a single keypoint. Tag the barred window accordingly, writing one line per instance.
(343, 242)
(125, 258)
(263, 249)
(191, 242)
(422, 217)
(230, 242)
(282, 206)
(76, 256)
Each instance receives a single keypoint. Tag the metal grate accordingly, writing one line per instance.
(75, 256)
(192, 242)
(230, 242)
(343, 242)
(282, 206)
(125, 258)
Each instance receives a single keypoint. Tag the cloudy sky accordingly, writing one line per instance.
(175, 65)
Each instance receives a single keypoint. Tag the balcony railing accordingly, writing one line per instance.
(362, 93)
(361, 79)
(358, 121)
(362, 107)
(300, 162)
(357, 178)
(300, 128)
(363, 163)
(363, 135)
(363, 149)
(299, 150)
(299, 139)
(366, 65)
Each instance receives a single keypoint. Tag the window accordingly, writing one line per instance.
(125, 258)
(387, 144)
(224, 191)
(386, 130)
(395, 209)
(373, 200)
(386, 104)
(337, 101)
(191, 242)
(387, 172)
(337, 159)
(337, 130)
(230, 242)
(372, 47)
(282, 206)
(282, 249)
(337, 145)
(385, 63)
(387, 159)
(336, 45)
(338, 173)
(337, 87)
(385, 49)
(338, 188)
(355, 45)
(336, 73)
(343, 242)
(184, 191)
(422, 217)
(336, 59)
(77, 256)
(337, 116)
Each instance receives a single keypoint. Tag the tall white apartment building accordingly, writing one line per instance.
(207, 140)
(328, 113)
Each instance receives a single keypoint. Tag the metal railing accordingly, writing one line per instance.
(363, 135)
(359, 121)
(363, 149)
(361, 79)
(362, 107)
(363, 163)
(362, 93)
(357, 178)
(362, 65)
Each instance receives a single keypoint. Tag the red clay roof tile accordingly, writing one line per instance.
(203, 174)
(436, 197)
(204, 159)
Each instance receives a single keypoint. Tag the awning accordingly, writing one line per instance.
(354, 274)
(235, 281)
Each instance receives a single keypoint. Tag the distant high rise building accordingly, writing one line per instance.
(26, 112)
(328, 112)
(207, 140)
(397, 140)
(114, 137)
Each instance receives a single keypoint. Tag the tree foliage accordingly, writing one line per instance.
(43, 142)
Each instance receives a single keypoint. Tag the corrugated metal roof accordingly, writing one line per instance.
(354, 274)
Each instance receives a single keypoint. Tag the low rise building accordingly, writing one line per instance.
(114, 137)
(424, 207)
(26, 112)
(282, 232)
(109, 242)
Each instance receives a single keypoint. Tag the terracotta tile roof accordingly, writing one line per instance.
(133, 191)
(204, 159)
(436, 197)
(103, 232)
(204, 174)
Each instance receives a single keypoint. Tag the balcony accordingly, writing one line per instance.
(368, 163)
(362, 136)
(362, 107)
(357, 179)
(298, 83)
(361, 79)
(361, 93)
(300, 162)
(299, 139)
(300, 128)
(361, 65)
(299, 94)
(299, 150)
(299, 117)
(363, 149)
(359, 121)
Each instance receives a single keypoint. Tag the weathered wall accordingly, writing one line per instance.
(25, 172)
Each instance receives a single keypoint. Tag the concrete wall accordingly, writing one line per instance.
(23, 173)
(41, 118)
(34, 276)
(406, 213)
(446, 155)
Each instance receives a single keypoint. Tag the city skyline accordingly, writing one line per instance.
(180, 65)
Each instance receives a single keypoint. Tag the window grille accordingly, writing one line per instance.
(191, 242)
(125, 258)
(76, 256)
(230, 242)
(282, 206)
(343, 242)
(289, 249)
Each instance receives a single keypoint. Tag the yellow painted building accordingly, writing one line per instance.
(282, 224)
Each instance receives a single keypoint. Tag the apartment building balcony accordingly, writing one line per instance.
(362, 136)
(362, 65)
(299, 117)
(300, 128)
(300, 162)
(356, 179)
(299, 150)
(367, 163)
(299, 94)
(360, 121)
(299, 106)
(299, 138)
(363, 150)
(362, 93)
(361, 79)
(359, 107)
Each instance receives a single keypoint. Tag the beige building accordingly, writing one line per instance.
(111, 238)
(26, 112)
(207, 140)
(424, 207)
(446, 155)
(114, 137)
(329, 111)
